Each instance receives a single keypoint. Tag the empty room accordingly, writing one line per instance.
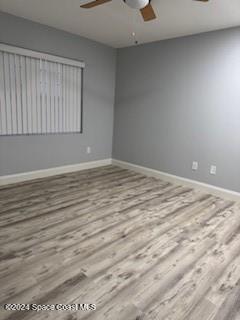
(120, 160)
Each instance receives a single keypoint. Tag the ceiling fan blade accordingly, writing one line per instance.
(94, 4)
(202, 0)
(148, 13)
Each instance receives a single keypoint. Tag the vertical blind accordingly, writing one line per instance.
(39, 93)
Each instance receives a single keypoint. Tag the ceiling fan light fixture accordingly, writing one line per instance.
(137, 4)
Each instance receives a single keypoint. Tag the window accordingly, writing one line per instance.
(39, 93)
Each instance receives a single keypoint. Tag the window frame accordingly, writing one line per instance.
(51, 58)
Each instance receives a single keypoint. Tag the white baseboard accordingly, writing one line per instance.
(228, 194)
(25, 176)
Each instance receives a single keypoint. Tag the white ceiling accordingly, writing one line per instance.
(114, 22)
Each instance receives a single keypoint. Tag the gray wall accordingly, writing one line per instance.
(26, 153)
(178, 101)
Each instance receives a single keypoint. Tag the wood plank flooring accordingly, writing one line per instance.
(137, 247)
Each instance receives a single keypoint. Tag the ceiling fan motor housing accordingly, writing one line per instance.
(137, 4)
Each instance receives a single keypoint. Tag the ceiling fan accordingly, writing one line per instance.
(144, 6)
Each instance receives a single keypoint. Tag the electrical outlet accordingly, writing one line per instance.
(89, 150)
(213, 170)
(194, 165)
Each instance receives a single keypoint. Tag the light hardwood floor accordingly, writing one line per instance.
(137, 247)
